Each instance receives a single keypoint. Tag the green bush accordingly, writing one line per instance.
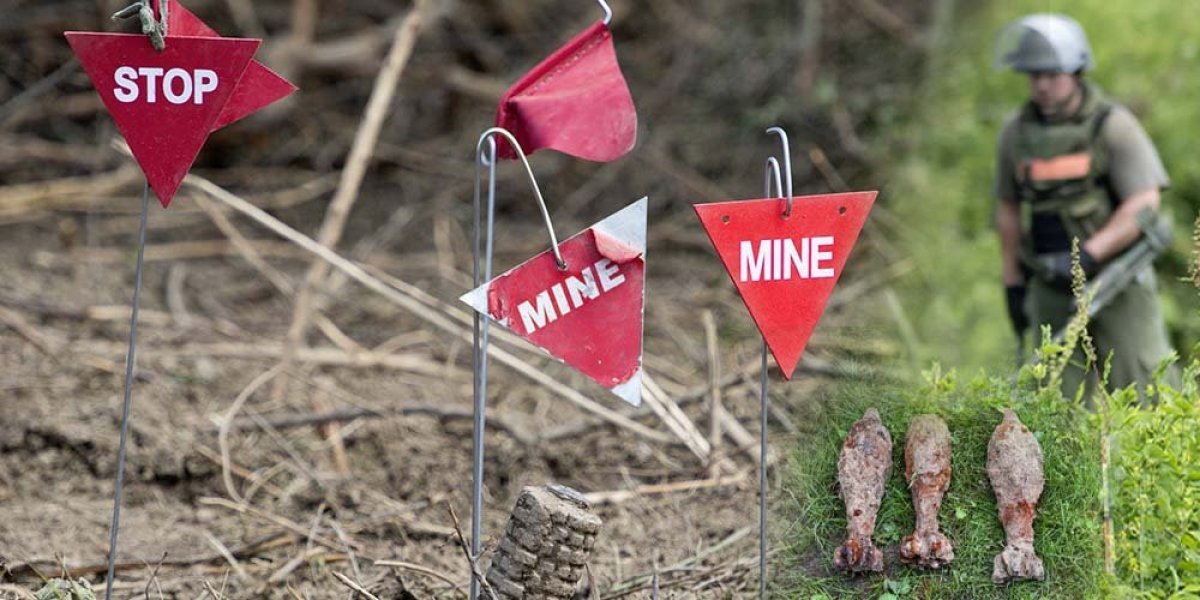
(1156, 490)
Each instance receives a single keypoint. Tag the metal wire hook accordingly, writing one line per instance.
(787, 167)
(607, 11)
(772, 174)
(486, 159)
(489, 135)
(156, 29)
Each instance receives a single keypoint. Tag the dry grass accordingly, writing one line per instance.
(309, 502)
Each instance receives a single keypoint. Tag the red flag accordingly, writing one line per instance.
(786, 268)
(259, 86)
(164, 103)
(576, 101)
(588, 315)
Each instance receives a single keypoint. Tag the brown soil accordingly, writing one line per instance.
(706, 78)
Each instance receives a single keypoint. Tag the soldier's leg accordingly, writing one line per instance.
(1132, 329)
(1054, 307)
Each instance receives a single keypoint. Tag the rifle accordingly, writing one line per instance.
(1122, 270)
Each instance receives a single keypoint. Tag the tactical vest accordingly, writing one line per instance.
(1062, 168)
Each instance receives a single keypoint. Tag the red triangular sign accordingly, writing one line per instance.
(576, 101)
(164, 103)
(786, 268)
(259, 86)
(588, 315)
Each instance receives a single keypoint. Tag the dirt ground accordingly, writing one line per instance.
(60, 440)
(296, 501)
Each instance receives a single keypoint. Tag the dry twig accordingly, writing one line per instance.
(418, 363)
(670, 413)
(421, 569)
(354, 586)
(619, 496)
(227, 555)
(303, 556)
(472, 560)
(223, 434)
(18, 324)
(342, 415)
(154, 579)
(285, 523)
(70, 572)
(715, 410)
(404, 298)
(356, 167)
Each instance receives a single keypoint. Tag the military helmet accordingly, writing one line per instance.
(1044, 42)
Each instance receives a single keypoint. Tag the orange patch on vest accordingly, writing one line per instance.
(1059, 168)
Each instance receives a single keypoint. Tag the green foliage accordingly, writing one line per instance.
(1068, 524)
(940, 164)
(896, 589)
(65, 589)
(1194, 270)
(1134, 464)
(1156, 489)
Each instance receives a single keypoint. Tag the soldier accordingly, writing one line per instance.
(1074, 164)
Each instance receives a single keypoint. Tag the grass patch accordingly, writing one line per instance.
(1068, 524)
(1150, 480)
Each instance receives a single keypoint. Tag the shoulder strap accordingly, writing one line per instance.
(1102, 113)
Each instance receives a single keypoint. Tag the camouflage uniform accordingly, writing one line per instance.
(1070, 175)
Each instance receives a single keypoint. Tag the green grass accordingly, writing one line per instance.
(1152, 473)
(1067, 527)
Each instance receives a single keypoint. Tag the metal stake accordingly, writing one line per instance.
(480, 333)
(480, 338)
(762, 479)
(607, 11)
(129, 362)
(481, 345)
(772, 176)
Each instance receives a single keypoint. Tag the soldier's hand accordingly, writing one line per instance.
(1058, 267)
(1015, 295)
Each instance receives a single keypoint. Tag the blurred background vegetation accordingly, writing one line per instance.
(941, 169)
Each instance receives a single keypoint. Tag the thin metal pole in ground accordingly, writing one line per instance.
(481, 346)
(481, 321)
(130, 356)
(762, 479)
(772, 176)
